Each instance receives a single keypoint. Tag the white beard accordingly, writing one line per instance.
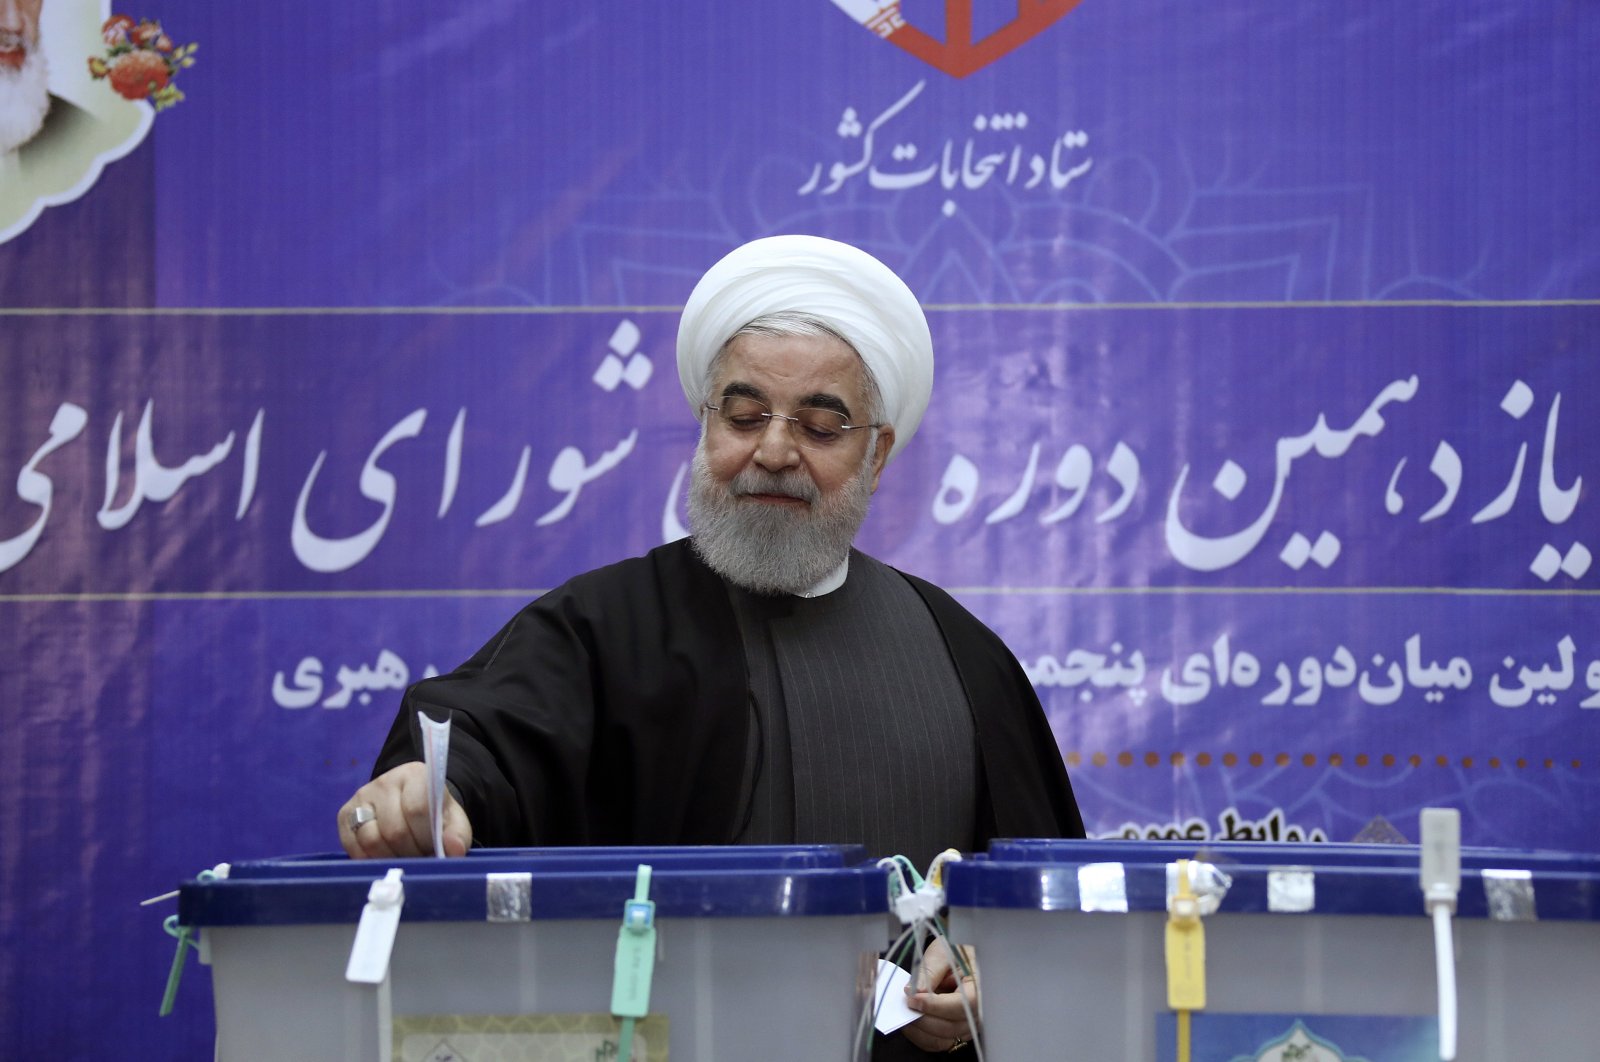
(24, 101)
(772, 549)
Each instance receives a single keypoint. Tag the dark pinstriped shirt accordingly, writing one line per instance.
(861, 731)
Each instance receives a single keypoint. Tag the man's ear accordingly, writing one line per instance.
(881, 456)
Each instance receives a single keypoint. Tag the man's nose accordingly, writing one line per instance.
(776, 448)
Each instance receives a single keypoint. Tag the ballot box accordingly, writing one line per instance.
(1312, 951)
(761, 952)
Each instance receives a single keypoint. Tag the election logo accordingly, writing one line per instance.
(959, 52)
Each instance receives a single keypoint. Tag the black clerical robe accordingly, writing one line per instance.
(615, 710)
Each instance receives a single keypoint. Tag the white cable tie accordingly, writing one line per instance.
(218, 873)
(380, 920)
(920, 905)
(1441, 881)
(1441, 857)
(1444, 959)
(387, 890)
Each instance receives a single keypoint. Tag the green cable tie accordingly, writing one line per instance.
(625, 1041)
(185, 938)
(636, 961)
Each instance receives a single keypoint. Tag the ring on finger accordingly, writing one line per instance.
(361, 815)
(955, 1045)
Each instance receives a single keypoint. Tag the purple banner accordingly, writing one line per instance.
(1264, 425)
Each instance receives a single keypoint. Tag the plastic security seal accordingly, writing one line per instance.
(636, 961)
(380, 920)
(920, 905)
(636, 952)
(1441, 881)
(1441, 857)
(186, 939)
(1185, 944)
(1208, 884)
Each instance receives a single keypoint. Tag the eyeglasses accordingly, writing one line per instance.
(816, 429)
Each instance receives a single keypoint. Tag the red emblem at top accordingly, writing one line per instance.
(957, 54)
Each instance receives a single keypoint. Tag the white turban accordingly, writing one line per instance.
(844, 287)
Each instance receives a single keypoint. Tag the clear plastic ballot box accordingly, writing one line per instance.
(1318, 952)
(762, 952)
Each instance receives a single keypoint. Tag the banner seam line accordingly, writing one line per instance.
(1021, 591)
(515, 311)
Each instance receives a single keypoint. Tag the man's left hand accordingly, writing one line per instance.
(937, 994)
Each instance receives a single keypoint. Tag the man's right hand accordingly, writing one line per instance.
(398, 825)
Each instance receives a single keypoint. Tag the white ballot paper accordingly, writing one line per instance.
(436, 757)
(889, 998)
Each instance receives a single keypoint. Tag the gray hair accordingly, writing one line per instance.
(781, 323)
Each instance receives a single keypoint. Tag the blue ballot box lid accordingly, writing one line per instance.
(490, 860)
(1338, 879)
(1249, 852)
(702, 882)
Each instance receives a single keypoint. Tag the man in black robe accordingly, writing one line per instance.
(761, 681)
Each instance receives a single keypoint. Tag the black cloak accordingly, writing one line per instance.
(614, 710)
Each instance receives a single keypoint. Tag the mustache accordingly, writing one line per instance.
(789, 485)
(14, 41)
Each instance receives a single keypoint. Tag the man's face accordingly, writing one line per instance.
(769, 513)
(19, 31)
(788, 373)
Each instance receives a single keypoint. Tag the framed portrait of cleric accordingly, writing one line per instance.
(64, 114)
